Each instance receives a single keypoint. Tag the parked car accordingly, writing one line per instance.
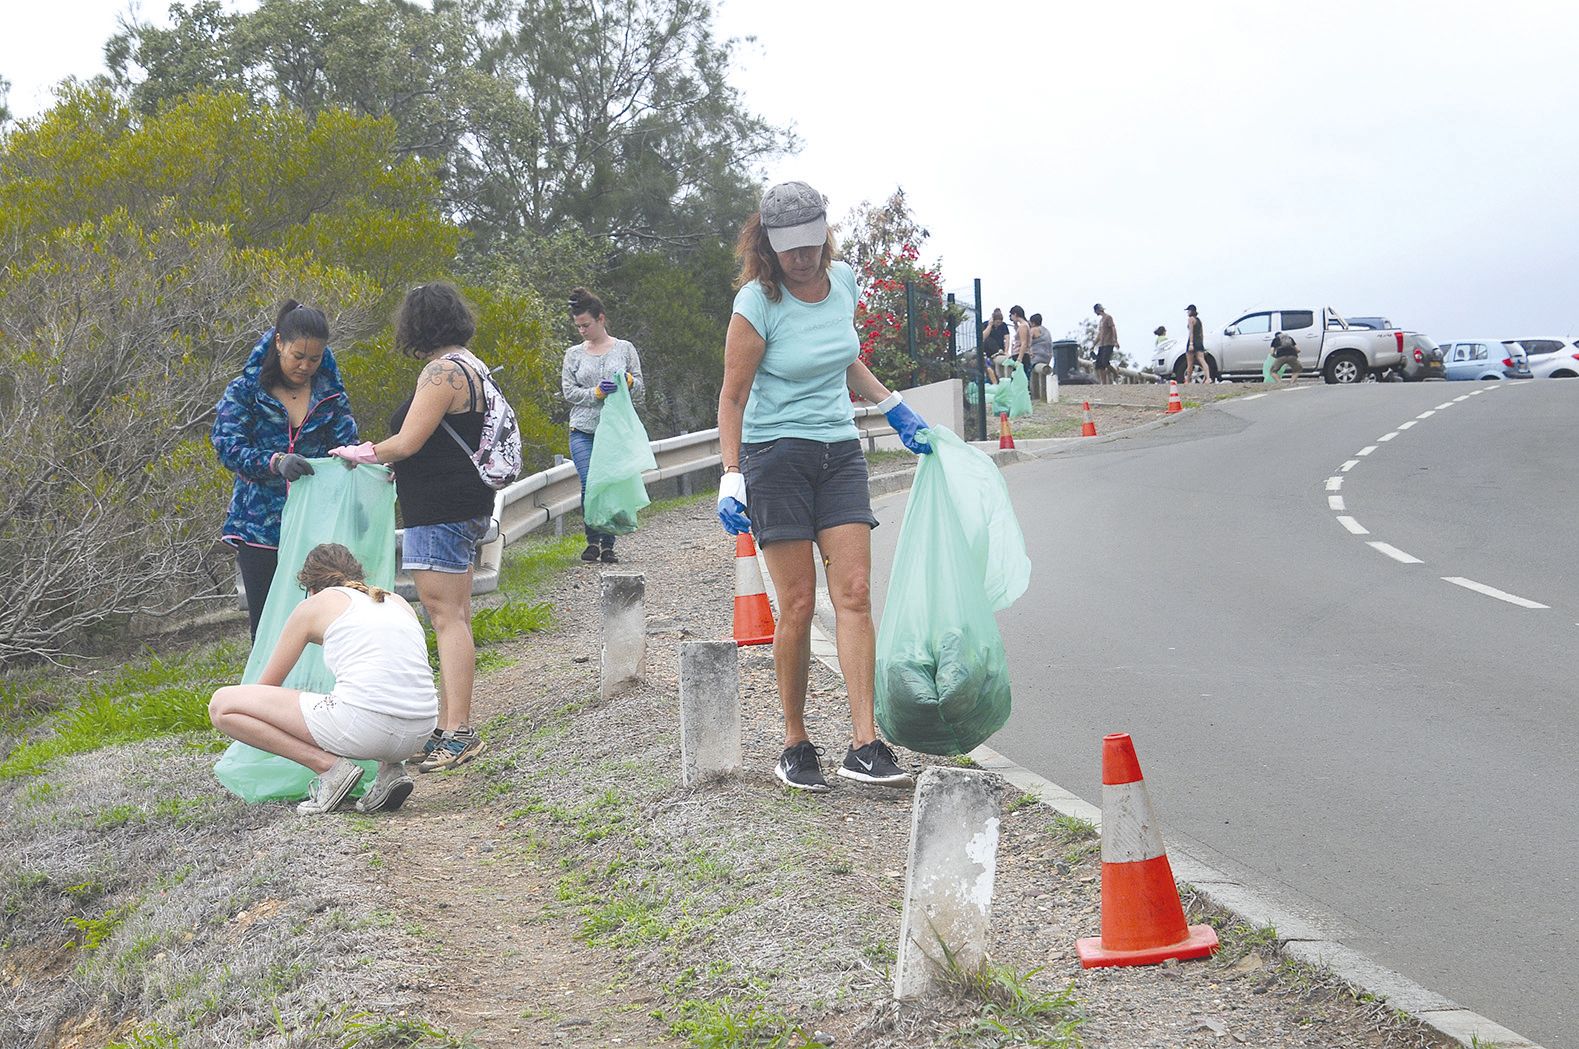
(1482, 359)
(1422, 357)
(1549, 358)
(1341, 352)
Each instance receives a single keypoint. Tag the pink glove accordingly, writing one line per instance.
(355, 453)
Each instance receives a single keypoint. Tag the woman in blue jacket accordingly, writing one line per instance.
(287, 406)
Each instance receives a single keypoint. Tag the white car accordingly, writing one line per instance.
(1328, 345)
(1550, 358)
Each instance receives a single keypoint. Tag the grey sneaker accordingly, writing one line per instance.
(875, 763)
(326, 792)
(456, 748)
(390, 789)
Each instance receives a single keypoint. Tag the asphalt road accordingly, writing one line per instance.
(1395, 754)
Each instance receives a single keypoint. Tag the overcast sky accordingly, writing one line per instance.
(1418, 160)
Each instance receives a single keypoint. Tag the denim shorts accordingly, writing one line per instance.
(442, 547)
(796, 488)
(362, 734)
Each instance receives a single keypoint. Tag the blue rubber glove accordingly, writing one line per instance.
(732, 504)
(908, 424)
(606, 387)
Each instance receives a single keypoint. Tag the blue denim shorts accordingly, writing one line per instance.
(795, 488)
(442, 547)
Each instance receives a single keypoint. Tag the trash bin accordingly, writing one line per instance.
(1065, 352)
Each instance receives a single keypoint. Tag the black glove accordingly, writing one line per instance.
(292, 466)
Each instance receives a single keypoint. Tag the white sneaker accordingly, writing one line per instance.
(326, 792)
(390, 789)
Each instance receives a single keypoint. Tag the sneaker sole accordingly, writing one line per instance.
(457, 761)
(810, 788)
(393, 800)
(903, 779)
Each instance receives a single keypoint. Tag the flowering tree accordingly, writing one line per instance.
(884, 246)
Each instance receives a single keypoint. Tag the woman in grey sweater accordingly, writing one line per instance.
(589, 374)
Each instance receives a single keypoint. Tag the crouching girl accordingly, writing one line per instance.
(383, 704)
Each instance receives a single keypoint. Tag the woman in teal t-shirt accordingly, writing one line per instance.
(787, 433)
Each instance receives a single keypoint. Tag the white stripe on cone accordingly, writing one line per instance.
(748, 577)
(1129, 832)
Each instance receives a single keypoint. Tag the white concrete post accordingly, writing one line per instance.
(1052, 387)
(624, 629)
(948, 884)
(709, 710)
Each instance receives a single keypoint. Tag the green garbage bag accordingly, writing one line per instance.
(620, 454)
(942, 672)
(1014, 393)
(355, 508)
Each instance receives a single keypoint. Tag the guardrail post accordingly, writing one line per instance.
(949, 879)
(624, 629)
(709, 710)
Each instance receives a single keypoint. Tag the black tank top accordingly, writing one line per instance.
(439, 484)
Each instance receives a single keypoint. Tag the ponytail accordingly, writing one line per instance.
(330, 564)
(294, 321)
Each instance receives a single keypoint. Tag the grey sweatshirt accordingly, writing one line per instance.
(581, 373)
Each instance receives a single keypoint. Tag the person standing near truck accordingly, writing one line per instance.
(1107, 342)
(1195, 346)
(1285, 354)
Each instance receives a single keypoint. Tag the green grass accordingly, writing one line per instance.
(148, 698)
(531, 563)
(1011, 1011)
(367, 1031)
(725, 1024)
(147, 1036)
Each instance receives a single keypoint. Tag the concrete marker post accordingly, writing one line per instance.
(624, 629)
(949, 878)
(709, 710)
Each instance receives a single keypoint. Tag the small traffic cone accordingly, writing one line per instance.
(1174, 404)
(1087, 428)
(1142, 918)
(1005, 435)
(753, 614)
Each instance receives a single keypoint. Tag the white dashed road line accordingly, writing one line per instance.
(1334, 484)
(1407, 425)
(1354, 527)
(1367, 450)
(1491, 591)
(1253, 396)
(1461, 397)
(1335, 502)
(1346, 467)
(1426, 414)
(1443, 406)
(1395, 553)
(1387, 436)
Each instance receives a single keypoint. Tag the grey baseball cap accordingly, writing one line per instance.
(794, 216)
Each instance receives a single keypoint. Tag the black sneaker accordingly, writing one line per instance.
(798, 767)
(875, 763)
(608, 556)
(591, 552)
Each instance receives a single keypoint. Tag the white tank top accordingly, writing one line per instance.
(379, 657)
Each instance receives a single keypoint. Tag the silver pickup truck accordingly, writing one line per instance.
(1327, 343)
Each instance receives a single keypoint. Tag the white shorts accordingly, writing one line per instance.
(362, 734)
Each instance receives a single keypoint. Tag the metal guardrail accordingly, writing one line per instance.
(545, 497)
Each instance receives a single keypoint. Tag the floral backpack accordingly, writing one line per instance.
(498, 454)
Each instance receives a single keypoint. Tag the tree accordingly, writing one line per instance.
(884, 246)
(5, 94)
(615, 116)
(139, 260)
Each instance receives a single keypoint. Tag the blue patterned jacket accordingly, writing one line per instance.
(251, 425)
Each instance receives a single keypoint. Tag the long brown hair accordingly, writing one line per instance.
(330, 564)
(759, 262)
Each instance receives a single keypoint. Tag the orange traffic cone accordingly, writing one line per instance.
(753, 614)
(1087, 428)
(1174, 404)
(1005, 435)
(1142, 918)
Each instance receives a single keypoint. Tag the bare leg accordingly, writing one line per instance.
(795, 579)
(270, 718)
(847, 550)
(447, 598)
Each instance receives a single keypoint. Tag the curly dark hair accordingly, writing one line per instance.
(433, 317)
